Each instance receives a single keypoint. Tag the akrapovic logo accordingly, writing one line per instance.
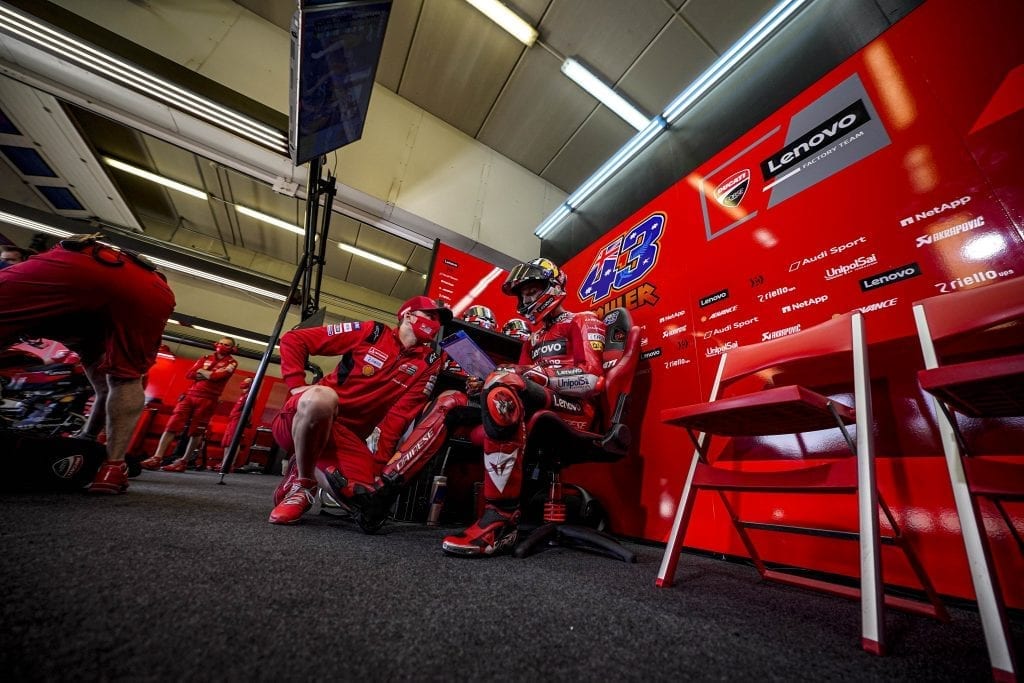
(889, 277)
(831, 130)
(775, 334)
(966, 226)
(806, 303)
(721, 295)
(935, 211)
(665, 334)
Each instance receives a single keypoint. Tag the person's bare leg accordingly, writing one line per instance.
(98, 415)
(190, 449)
(162, 445)
(124, 405)
(311, 427)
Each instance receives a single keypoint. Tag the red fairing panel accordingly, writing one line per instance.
(898, 176)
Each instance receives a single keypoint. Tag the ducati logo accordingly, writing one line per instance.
(499, 467)
(730, 191)
(66, 468)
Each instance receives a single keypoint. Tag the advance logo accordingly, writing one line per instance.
(904, 272)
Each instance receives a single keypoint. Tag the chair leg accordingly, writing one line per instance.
(903, 543)
(667, 571)
(986, 582)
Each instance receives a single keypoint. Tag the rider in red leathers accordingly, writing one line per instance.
(559, 369)
(384, 379)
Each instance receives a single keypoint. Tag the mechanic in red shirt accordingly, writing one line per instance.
(108, 305)
(233, 417)
(384, 378)
(209, 375)
(559, 370)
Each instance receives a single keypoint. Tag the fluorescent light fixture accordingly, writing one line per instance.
(276, 222)
(229, 334)
(64, 46)
(750, 41)
(729, 60)
(507, 19)
(158, 179)
(604, 94)
(12, 219)
(372, 257)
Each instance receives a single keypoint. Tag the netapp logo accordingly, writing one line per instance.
(966, 226)
(714, 298)
(768, 336)
(807, 303)
(854, 265)
(935, 211)
(653, 353)
(898, 274)
(846, 121)
(670, 316)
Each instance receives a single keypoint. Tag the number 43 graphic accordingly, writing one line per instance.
(624, 260)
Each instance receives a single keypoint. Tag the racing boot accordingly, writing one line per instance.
(495, 531)
(151, 463)
(179, 465)
(296, 502)
(112, 478)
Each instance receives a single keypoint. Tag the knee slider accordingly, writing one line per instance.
(502, 410)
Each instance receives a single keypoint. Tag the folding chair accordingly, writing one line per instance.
(831, 357)
(973, 347)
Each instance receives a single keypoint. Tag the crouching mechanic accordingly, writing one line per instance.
(559, 370)
(384, 378)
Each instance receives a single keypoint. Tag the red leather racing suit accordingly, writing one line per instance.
(376, 377)
(559, 370)
(200, 399)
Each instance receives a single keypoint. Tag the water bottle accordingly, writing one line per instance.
(437, 492)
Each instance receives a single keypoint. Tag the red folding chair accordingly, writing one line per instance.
(973, 347)
(779, 379)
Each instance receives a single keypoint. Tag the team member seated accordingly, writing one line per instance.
(384, 378)
(559, 369)
(110, 307)
(209, 375)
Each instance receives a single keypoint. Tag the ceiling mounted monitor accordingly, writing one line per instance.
(335, 50)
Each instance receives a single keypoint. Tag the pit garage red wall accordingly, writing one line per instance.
(898, 176)
(461, 280)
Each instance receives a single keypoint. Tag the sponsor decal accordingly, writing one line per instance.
(375, 362)
(652, 353)
(673, 331)
(720, 349)
(368, 371)
(408, 368)
(597, 346)
(972, 279)
(593, 336)
(935, 211)
(555, 347)
(568, 372)
(731, 190)
(669, 364)
(966, 226)
(67, 467)
(642, 295)
(720, 295)
(831, 251)
(451, 264)
(898, 274)
(775, 334)
(806, 303)
(622, 263)
(818, 138)
(853, 266)
(565, 404)
(723, 312)
(731, 326)
(879, 305)
(671, 316)
(756, 281)
(778, 291)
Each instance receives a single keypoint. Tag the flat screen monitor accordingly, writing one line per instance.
(335, 50)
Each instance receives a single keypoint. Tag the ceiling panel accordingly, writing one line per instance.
(722, 23)
(592, 144)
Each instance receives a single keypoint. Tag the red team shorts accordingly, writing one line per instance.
(198, 408)
(114, 314)
(345, 449)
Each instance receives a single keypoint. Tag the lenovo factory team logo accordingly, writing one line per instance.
(898, 274)
(621, 265)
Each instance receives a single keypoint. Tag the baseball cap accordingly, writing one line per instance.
(425, 303)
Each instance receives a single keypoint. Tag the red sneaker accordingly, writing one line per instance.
(179, 465)
(494, 532)
(299, 499)
(151, 463)
(112, 477)
(290, 475)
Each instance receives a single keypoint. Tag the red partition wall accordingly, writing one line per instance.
(898, 176)
(461, 280)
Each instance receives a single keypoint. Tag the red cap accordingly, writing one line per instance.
(425, 303)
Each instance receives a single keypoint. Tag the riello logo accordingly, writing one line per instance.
(730, 191)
